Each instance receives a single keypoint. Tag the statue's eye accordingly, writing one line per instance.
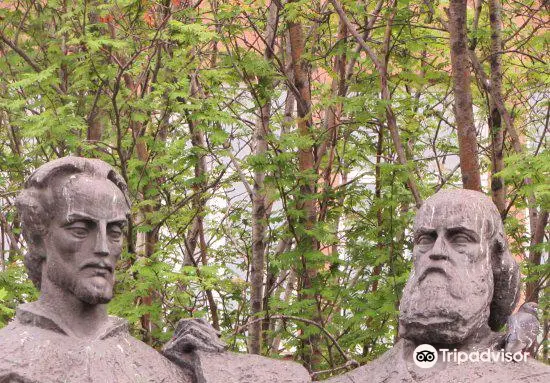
(425, 240)
(115, 231)
(78, 229)
(461, 239)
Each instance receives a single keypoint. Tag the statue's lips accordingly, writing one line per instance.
(441, 317)
(433, 269)
(101, 269)
(432, 321)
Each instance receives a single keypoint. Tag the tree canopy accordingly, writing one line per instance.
(276, 151)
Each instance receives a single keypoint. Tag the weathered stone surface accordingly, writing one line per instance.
(36, 348)
(464, 277)
(396, 366)
(230, 367)
(194, 334)
(73, 211)
(463, 287)
(196, 346)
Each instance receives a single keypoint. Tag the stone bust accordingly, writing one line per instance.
(463, 286)
(464, 282)
(73, 212)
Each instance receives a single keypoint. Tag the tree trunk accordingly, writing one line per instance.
(259, 209)
(333, 112)
(289, 288)
(464, 116)
(146, 242)
(533, 288)
(197, 229)
(305, 201)
(272, 285)
(497, 134)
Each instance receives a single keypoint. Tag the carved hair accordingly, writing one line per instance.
(504, 266)
(36, 202)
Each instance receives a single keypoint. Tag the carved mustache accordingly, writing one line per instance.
(455, 289)
(436, 269)
(98, 265)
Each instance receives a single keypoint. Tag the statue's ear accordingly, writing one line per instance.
(35, 257)
(506, 280)
(30, 205)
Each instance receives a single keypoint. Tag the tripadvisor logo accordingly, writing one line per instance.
(425, 356)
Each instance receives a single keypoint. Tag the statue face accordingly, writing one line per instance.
(449, 292)
(84, 239)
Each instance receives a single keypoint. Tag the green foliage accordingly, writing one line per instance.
(15, 289)
(536, 169)
(161, 92)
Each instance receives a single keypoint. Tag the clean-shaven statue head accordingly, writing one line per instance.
(464, 281)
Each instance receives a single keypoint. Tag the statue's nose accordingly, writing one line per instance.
(101, 245)
(439, 250)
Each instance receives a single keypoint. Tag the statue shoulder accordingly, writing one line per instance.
(246, 368)
(389, 367)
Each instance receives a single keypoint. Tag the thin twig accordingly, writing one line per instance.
(308, 321)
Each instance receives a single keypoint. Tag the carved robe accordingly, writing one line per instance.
(36, 347)
(396, 367)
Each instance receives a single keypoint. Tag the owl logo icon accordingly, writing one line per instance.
(425, 356)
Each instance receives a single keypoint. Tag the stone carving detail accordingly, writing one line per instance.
(73, 212)
(464, 279)
(196, 345)
(463, 287)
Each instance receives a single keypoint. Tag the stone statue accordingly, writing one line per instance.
(461, 291)
(463, 287)
(73, 212)
(196, 346)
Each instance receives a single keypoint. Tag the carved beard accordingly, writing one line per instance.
(441, 307)
(92, 295)
(84, 289)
